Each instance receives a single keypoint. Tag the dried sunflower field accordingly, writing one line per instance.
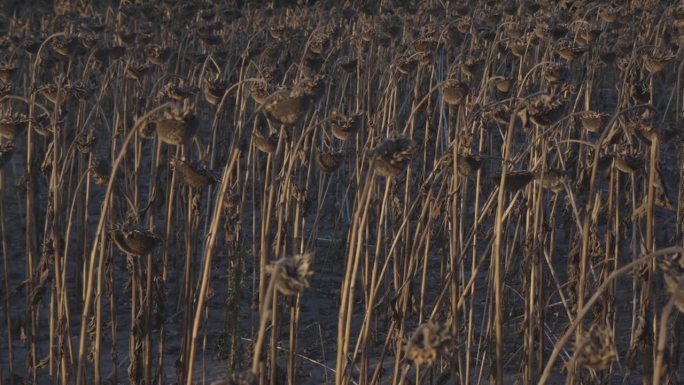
(347, 192)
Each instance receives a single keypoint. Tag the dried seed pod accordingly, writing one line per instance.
(291, 274)
(454, 92)
(392, 156)
(176, 128)
(263, 143)
(328, 162)
(134, 241)
(427, 343)
(596, 349)
(193, 175)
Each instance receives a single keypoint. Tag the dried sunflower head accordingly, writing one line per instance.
(291, 274)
